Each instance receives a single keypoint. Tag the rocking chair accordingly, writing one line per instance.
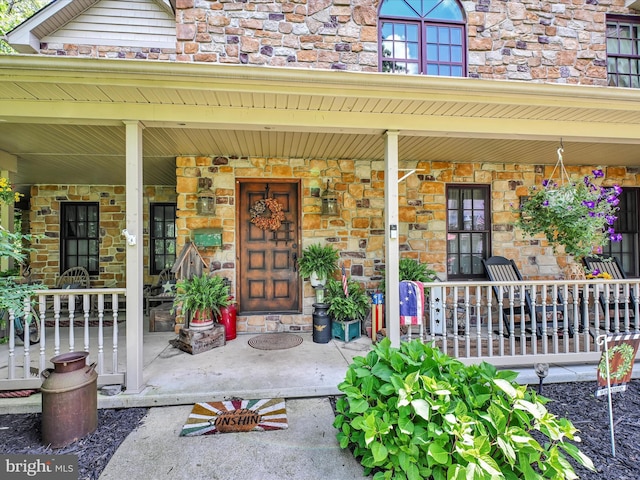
(501, 269)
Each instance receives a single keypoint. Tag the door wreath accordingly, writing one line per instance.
(267, 214)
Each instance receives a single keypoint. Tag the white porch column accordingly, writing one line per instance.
(8, 165)
(392, 250)
(135, 279)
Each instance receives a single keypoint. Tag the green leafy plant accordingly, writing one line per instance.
(323, 260)
(205, 293)
(410, 269)
(415, 413)
(578, 216)
(14, 293)
(344, 308)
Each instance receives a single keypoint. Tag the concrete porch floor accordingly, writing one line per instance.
(174, 377)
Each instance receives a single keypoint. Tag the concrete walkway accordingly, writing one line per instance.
(304, 375)
(307, 450)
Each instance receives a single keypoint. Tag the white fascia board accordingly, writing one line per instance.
(21, 37)
(25, 42)
(166, 5)
(634, 4)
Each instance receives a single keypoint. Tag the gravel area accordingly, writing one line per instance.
(575, 401)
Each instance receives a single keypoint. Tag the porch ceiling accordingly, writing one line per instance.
(61, 115)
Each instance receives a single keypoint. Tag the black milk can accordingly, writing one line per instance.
(69, 399)
(321, 323)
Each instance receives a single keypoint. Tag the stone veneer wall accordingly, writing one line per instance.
(106, 51)
(548, 41)
(358, 233)
(45, 221)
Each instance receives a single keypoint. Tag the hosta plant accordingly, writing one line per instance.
(415, 413)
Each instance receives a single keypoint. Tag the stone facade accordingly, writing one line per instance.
(556, 42)
(104, 51)
(358, 232)
(44, 221)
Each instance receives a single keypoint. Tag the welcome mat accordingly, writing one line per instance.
(275, 341)
(209, 418)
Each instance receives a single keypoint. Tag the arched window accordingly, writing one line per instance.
(422, 37)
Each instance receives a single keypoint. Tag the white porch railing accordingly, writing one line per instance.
(70, 320)
(466, 320)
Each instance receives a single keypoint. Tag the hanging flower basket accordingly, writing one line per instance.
(576, 215)
(267, 214)
(7, 194)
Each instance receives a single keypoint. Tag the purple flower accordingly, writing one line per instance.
(589, 204)
(545, 203)
(597, 173)
(613, 200)
(617, 189)
(595, 272)
(617, 237)
(611, 219)
(592, 214)
(545, 182)
(611, 230)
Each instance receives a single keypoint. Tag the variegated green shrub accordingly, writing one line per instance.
(416, 413)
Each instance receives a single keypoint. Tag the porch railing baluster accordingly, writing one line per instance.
(114, 306)
(100, 366)
(72, 310)
(53, 319)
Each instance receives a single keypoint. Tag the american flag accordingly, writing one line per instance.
(345, 285)
(411, 302)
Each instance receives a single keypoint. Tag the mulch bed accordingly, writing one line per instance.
(578, 403)
(575, 401)
(20, 434)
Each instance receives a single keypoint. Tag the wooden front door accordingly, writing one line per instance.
(268, 279)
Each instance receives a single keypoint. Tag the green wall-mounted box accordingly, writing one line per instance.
(208, 237)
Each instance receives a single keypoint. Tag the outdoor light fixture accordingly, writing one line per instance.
(329, 202)
(206, 203)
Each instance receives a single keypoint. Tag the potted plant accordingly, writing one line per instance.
(576, 215)
(202, 296)
(346, 311)
(410, 269)
(318, 263)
